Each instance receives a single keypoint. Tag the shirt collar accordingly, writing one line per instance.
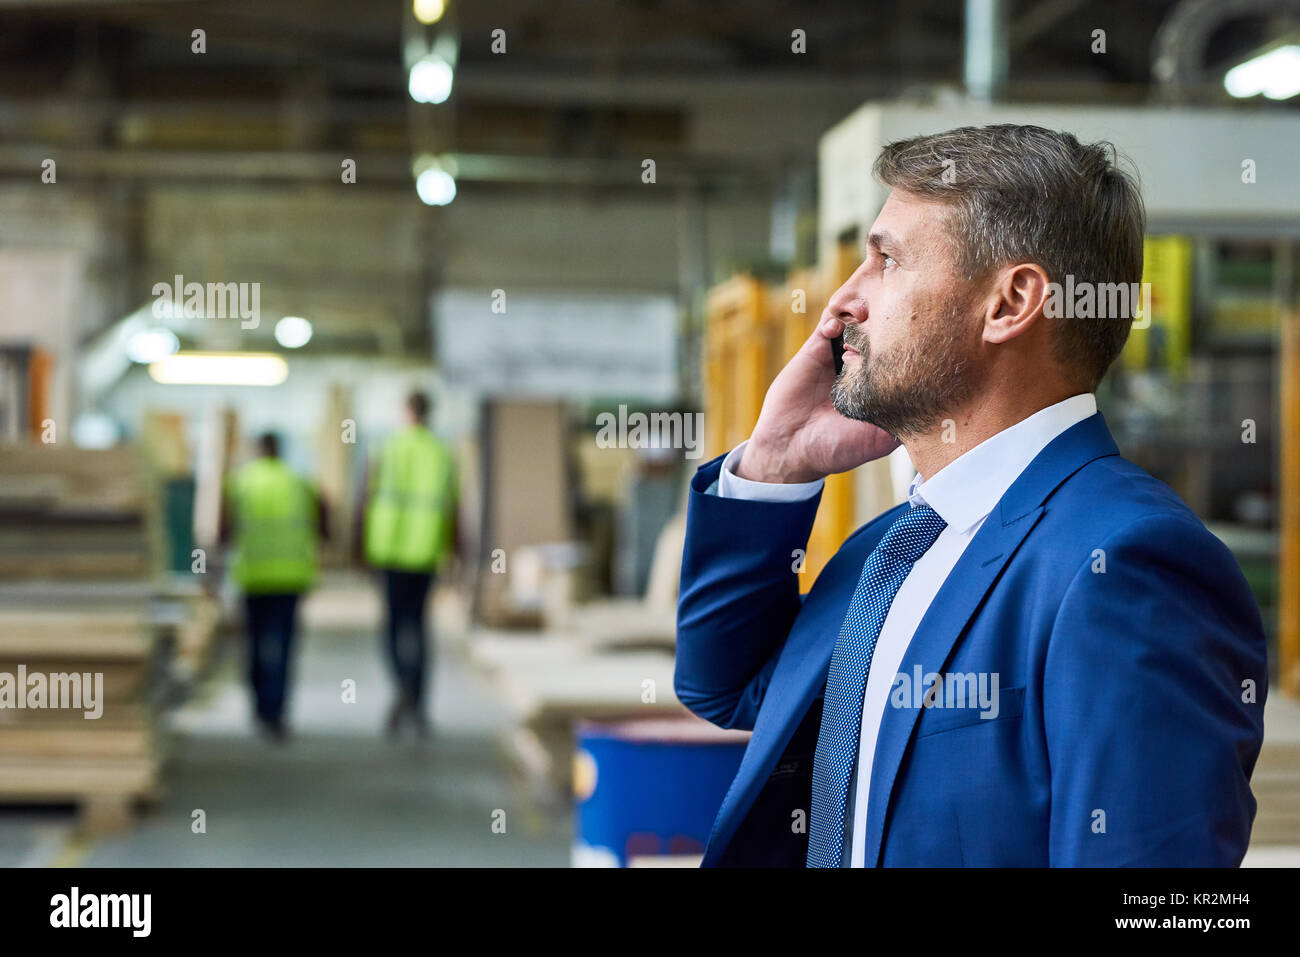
(965, 490)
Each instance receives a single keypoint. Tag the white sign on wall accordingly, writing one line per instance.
(557, 344)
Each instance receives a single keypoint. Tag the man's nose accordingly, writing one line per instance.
(848, 305)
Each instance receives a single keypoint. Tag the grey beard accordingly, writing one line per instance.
(919, 393)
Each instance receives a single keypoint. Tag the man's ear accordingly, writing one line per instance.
(1016, 302)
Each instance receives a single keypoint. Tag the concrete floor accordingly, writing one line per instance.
(338, 793)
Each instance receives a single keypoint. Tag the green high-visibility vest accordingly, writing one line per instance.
(275, 529)
(412, 503)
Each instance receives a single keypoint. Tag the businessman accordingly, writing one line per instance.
(1041, 658)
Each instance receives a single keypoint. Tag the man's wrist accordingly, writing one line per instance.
(730, 485)
(760, 463)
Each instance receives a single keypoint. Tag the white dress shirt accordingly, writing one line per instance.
(963, 493)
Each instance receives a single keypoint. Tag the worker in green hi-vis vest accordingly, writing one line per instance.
(275, 520)
(410, 533)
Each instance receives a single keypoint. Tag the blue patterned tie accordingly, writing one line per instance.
(837, 741)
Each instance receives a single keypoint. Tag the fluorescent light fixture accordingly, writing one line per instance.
(429, 11)
(430, 80)
(293, 332)
(435, 187)
(150, 345)
(220, 368)
(1276, 74)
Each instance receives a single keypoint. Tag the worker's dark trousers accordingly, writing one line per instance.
(408, 635)
(270, 631)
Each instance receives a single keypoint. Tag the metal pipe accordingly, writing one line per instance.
(985, 63)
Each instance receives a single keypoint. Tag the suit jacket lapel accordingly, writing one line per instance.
(786, 704)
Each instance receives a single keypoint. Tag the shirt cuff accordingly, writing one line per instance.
(731, 485)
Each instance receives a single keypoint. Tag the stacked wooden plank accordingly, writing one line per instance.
(68, 513)
(549, 683)
(76, 599)
(1277, 823)
(67, 753)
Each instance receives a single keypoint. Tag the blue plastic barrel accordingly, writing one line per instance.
(647, 790)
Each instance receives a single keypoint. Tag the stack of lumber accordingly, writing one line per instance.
(1276, 830)
(613, 659)
(69, 513)
(77, 598)
(550, 683)
(66, 754)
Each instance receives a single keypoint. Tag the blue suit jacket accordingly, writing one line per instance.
(1131, 662)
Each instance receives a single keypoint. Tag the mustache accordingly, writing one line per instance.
(852, 338)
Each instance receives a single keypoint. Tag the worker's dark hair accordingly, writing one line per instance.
(419, 404)
(1024, 194)
(268, 443)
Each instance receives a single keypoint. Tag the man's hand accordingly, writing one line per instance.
(800, 437)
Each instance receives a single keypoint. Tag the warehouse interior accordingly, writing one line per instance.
(561, 221)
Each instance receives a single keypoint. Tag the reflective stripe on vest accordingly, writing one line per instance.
(413, 492)
(275, 529)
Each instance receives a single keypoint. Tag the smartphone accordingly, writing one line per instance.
(837, 352)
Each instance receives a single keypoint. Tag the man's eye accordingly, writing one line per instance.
(890, 261)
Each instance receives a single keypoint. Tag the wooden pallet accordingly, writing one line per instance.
(106, 764)
(105, 790)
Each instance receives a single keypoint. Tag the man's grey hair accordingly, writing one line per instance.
(1026, 194)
